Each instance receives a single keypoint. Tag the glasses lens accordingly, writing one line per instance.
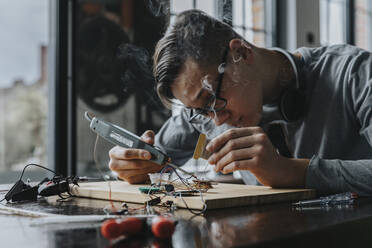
(199, 117)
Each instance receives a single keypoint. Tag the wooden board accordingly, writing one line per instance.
(222, 195)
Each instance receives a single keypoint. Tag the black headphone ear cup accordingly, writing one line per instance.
(292, 104)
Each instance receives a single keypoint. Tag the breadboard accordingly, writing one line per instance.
(222, 195)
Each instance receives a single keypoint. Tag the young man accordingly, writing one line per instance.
(321, 97)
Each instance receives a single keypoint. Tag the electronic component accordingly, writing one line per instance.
(203, 184)
(169, 187)
(22, 192)
(149, 189)
(153, 202)
(59, 185)
(25, 192)
(56, 187)
(185, 192)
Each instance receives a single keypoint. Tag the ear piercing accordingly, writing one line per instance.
(237, 60)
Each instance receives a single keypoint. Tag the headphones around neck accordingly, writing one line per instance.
(292, 101)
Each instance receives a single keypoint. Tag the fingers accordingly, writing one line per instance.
(133, 171)
(129, 154)
(238, 165)
(118, 164)
(136, 178)
(125, 174)
(148, 137)
(233, 144)
(216, 143)
(133, 165)
(234, 156)
(136, 172)
(239, 148)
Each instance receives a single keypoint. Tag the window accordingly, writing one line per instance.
(332, 22)
(114, 45)
(253, 19)
(23, 87)
(208, 6)
(363, 24)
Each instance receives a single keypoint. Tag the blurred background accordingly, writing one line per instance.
(62, 58)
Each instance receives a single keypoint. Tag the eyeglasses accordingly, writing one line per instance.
(215, 103)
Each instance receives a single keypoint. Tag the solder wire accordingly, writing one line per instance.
(101, 173)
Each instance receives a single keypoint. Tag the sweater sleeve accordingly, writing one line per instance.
(333, 175)
(177, 138)
(329, 176)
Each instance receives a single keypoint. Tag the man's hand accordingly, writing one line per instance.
(133, 165)
(249, 148)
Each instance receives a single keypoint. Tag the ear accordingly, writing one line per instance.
(241, 49)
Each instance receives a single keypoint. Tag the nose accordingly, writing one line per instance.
(220, 117)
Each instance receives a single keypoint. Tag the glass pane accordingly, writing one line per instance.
(238, 12)
(23, 88)
(114, 47)
(257, 8)
(180, 5)
(249, 34)
(259, 38)
(249, 20)
(208, 6)
(332, 22)
(363, 24)
(240, 31)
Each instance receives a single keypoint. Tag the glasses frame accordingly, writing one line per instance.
(216, 96)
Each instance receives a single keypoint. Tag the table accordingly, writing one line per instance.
(274, 225)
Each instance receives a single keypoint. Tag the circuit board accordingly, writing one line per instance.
(222, 195)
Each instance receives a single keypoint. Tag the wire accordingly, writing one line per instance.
(193, 211)
(184, 181)
(32, 164)
(101, 173)
(37, 165)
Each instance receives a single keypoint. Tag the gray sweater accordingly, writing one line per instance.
(335, 131)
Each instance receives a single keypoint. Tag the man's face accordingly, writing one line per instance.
(195, 85)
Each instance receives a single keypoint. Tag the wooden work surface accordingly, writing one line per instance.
(221, 196)
(270, 225)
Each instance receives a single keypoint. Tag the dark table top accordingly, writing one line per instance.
(272, 225)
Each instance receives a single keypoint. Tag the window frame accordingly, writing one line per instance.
(224, 8)
(350, 22)
(61, 94)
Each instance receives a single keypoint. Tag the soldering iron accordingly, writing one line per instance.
(124, 138)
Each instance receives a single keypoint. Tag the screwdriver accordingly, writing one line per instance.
(337, 199)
